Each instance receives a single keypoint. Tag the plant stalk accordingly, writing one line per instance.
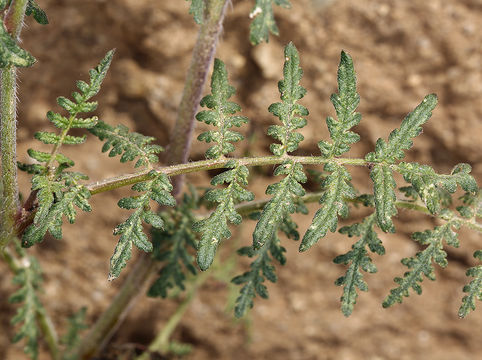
(8, 103)
(178, 151)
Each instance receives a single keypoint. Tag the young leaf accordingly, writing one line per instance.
(264, 22)
(345, 103)
(421, 264)
(384, 191)
(11, 53)
(260, 269)
(221, 114)
(171, 248)
(131, 231)
(197, 10)
(283, 202)
(29, 279)
(49, 216)
(401, 139)
(337, 188)
(287, 110)
(215, 227)
(130, 145)
(473, 289)
(430, 185)
(358, 259)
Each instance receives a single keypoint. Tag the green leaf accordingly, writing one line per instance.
(215, 228)
(263, 20)
(283, 201)
(50, 218)
(197, 10)
(131, 231)
(221, 114)
(11, 53)
(260, 269)
(401, 139)
(38, 14)
(130, 145)
(421, 264)
(430, 186)
(345, 103)
(71, 338)
(337, 188)
(358, 259)
(473, 289)
(288, 111)
(171, 248)
(383, 187)
(29, 279)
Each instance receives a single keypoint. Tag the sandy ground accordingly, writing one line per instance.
(402, 51)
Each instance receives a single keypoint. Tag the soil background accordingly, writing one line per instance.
(402, 51)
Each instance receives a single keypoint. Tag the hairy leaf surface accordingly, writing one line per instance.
(473, 289)
(263, 20)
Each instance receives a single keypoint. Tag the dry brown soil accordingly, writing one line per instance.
(402, 51)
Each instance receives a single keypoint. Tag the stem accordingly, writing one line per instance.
(177, 153)
(130, 179)
(161, 342)
(13, 21)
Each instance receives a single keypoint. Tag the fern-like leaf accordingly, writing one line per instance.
(11, 53)
(131, 231)
(337, 188)
(221, 114)
(260, 269)
(421, 264)
(345, 103)
(29, 279)
(215, 228)
(473, 289)
(285, 195)
(430, 185)
(71, 338)
(171, 247)
(288, 111)
(263, 20)
(130, 145)
(401, 139)
(358, 259)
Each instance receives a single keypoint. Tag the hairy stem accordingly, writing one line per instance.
(177, 153)
(8, 138)
(130, 179)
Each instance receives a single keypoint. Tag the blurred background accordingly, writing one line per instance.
(402, 51)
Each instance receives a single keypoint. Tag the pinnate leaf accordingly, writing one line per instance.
(358, 259)
(283, 202)
(131, 232)
(130, 145)
(288, 111)
(220, 115)
(29, 279)
(345, 103)
(337, 188)
(215, 227)
(421, 264)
